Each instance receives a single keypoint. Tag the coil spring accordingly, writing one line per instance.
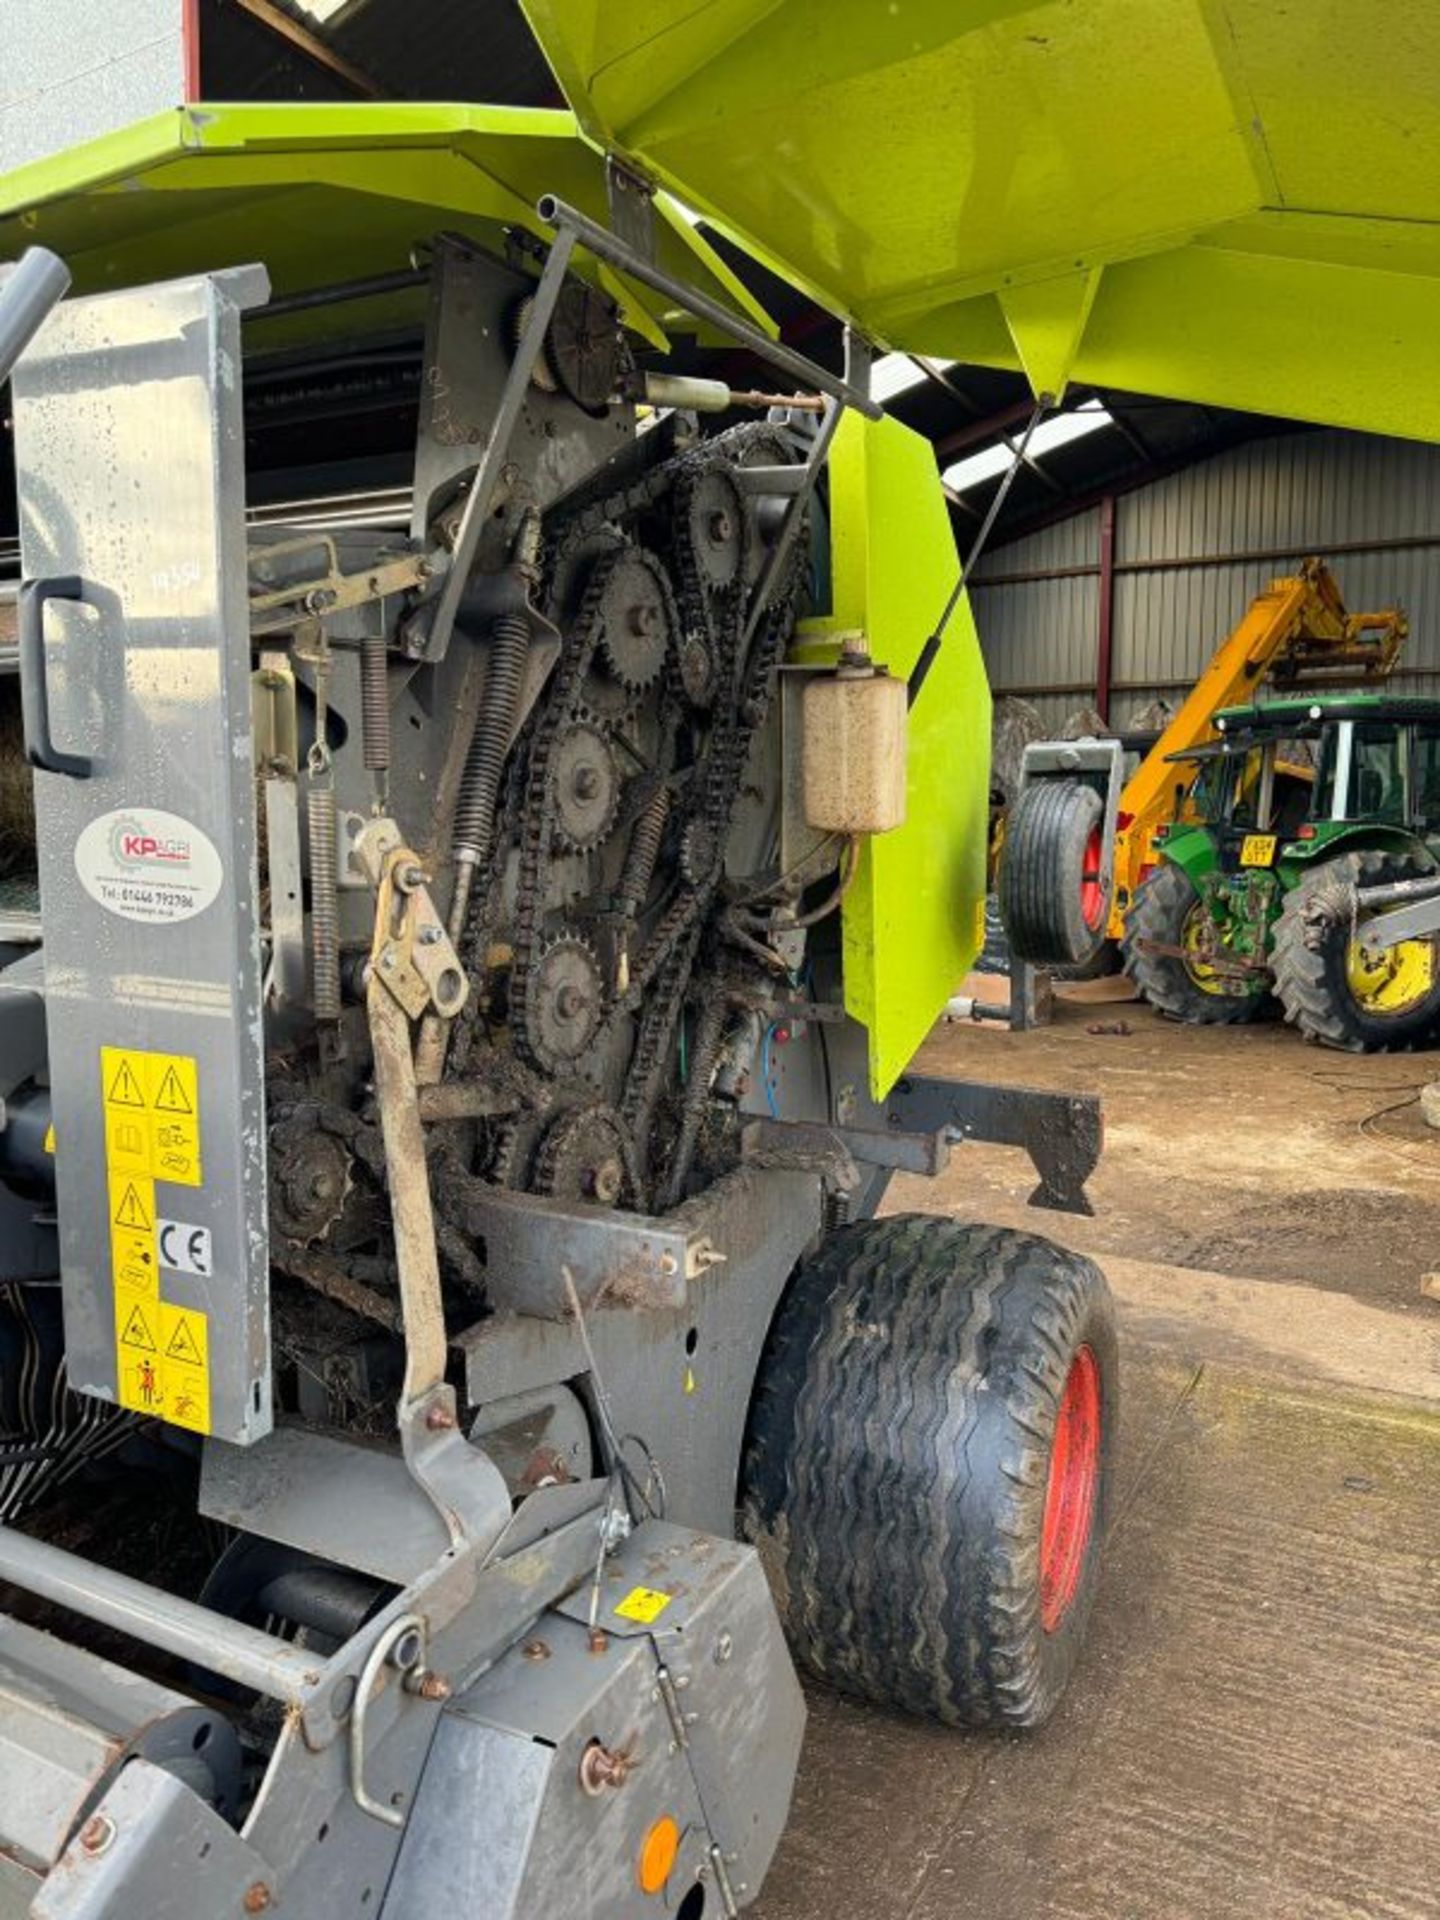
(641, 854)
(374, 704)
(324, 903)
(480, 782)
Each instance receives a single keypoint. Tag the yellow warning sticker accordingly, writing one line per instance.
(185, 1363)
(643, 1604)
(152, 1114)
(49, 1141)
(133, 1262)
(136, 1325)
(163, 1353)
(183, 1333)
(132, 1202)
(142, 1389)
(151, 1104)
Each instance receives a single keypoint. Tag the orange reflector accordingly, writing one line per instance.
(657, 1855)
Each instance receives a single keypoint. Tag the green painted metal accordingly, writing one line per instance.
(327, 193)
(1230, 201)
(914, 918)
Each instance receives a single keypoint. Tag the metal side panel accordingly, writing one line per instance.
(130, 461)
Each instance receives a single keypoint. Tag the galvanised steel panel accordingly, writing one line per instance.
(130, 460)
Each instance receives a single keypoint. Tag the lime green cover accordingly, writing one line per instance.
(1230, 201)
(327, 193)
(915, 917)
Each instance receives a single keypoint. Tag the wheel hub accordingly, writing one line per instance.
(1070, 1490)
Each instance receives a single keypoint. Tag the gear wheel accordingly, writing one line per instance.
(586, 1155)
(699, 852)
(564, 1003)
(586, 789)
(696, 667)
(637, 618)
(313, 1151)
(715, 523)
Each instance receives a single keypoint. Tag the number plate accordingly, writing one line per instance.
(1258, 849)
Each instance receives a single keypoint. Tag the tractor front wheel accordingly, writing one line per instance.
(1332, 986)
(927, 1469)
(1167, 954)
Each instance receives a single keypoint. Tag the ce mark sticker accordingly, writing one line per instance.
(184, 1248)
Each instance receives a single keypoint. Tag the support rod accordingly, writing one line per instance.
(605, 246)
(243, 1654)
(429, 629)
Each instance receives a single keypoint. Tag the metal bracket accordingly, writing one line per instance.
(465, 1485)
(281, 609)
(631, 200)
(1061, 1132)
(411, 954)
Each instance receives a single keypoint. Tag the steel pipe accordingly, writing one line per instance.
(605, 246)
(236, 1652)
(31, 290)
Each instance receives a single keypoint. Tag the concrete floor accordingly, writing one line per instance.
(1255, 1727)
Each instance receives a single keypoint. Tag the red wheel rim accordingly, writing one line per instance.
(1070, 1490)
(1092, 885)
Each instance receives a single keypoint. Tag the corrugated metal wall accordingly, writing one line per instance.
(1299, 494)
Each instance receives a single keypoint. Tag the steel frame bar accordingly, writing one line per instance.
(605, 246)
(243, 1654)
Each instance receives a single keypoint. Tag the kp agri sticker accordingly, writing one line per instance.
(148, 865)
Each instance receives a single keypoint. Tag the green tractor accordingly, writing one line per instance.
(1299, 811)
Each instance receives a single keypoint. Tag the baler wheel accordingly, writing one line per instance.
(1054, 895)
(927, 1470)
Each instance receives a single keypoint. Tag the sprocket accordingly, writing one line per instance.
(714, 523)
(636, 623)
(586, 1155)
(564, 1003)
(586, 787)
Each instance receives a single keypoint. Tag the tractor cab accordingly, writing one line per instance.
(1288, 777)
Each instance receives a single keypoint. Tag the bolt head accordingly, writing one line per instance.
(440, 1419)
(97, 1834)
(257, 1897)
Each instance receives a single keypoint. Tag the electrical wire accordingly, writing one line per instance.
(765, 1081)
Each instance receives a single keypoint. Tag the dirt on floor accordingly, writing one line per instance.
(1254, 1730)
(1237, 1150)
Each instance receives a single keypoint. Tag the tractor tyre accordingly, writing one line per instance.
(1330, 988)
(927, 1468)
(1162, 915)
(1054, 900)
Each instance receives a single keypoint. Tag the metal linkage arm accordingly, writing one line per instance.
(606, 246)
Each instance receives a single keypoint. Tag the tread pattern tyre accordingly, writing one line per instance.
(1312, 940)
(1157, 915)
(898, 1464)
(1054, 830)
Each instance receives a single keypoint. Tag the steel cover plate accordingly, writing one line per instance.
(129, 454)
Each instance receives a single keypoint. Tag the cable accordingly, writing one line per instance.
(836, 898)
(770, 1099)
(920, 672)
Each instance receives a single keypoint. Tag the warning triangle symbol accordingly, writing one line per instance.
(125, 1088)
(131, 1210)
(182, 1344)
(137, 1332)
(171, 1097)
